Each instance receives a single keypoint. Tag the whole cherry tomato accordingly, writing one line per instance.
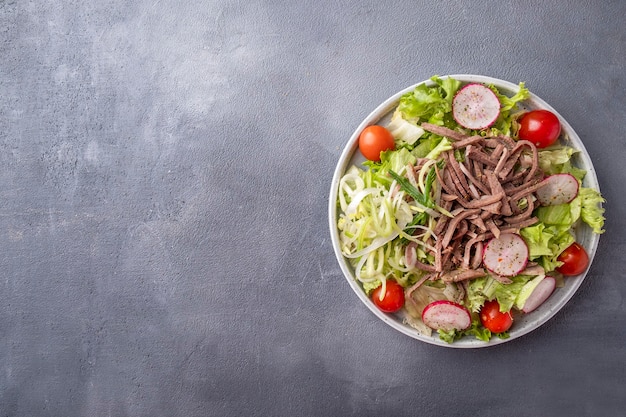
(575, 260)
(493, 319)
(540, 127)
(393, 298)
(374, 140)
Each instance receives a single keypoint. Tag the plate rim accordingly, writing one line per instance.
(346, 156)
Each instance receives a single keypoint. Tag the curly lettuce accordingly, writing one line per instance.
(430, 104)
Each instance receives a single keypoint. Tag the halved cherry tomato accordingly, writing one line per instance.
(493, 319)
(540, 127)
(393, 299)
(374, 140)
(575, 260)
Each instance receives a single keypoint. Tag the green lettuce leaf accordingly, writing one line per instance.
(487, 288)
(476, 330)
(546, 242)
(592, 212)
(557, 160)
(509, 103)
(560, 214)
(449, 85)
(442, 146)
(403, 131)
(504, 122)
(449, 336)
(426, 145)
(429, 103)
(390, 161)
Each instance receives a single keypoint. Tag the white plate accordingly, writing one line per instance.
(523, 323)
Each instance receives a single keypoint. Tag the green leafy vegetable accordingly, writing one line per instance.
(504, 122)
(429, 103)
(546, 242)
(404, 132)
(557, 160)
(443, 145)
(592, 212)
(487, 288)
(476, 330)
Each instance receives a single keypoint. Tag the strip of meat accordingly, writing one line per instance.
(533, 270)
(448, 197)
(461, 230)
(510, 163)
(446, 255)
(496, 188)
(491, 225)
(524, 215)
(506, 141)
(503, 158)
(408, 293)
(457, 256)
(473, 180)
(483, 201)
(497, 152)
(535, 163)
(462, 275)
(478, 221)
(467, 256)
(478, 256)
(453, 225)
(478, 168)
(441, 177)
(452, 183)
(410, 256)
(458, 174)
(512, 189)
(443, 131)
(440, 226)
(481, 157)
(467, 141)
(526, 191)
(493, 142)
(500, 278)
(523, 223)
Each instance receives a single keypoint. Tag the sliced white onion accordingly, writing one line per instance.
(357, 198)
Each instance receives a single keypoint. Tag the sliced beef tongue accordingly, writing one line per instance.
(489, 192)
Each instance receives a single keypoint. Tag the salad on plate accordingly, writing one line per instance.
(461, 215)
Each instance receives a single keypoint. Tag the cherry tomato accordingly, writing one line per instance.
(493, 319)
(374, 140)
(393, 300)
(540, 127)
(575, 260)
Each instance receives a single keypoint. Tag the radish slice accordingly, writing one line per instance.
(557, 189)
(506, 255)
(446, 315)
(475, 106)
(542, 291)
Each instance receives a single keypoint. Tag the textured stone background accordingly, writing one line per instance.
(164, 176)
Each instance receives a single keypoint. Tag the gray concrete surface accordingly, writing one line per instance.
(164, 173)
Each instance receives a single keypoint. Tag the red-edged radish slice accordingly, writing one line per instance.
(557, 189)
(542, 291)
(446, 315)
(506, 255)
(475, 106)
